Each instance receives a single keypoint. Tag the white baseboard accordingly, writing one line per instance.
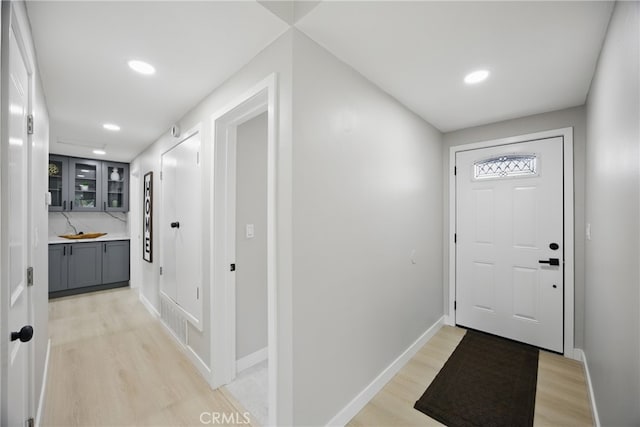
(252, 359)
(359, 402)
(186, 349)
(196, 360)
(43, 389)
(581, 356)
(449, 320)
(150, 308)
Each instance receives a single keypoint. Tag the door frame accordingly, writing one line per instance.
(568, 195)
(260, 98)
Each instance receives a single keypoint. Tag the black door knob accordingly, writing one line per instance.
(550, 261)
(25, 334)
(175, 224)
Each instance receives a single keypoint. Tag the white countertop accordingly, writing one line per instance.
(106, 238)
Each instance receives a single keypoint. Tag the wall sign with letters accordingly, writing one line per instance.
(147, 223)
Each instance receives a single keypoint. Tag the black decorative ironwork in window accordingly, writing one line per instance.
(513, 165)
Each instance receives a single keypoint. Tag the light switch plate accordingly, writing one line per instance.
(249, 231)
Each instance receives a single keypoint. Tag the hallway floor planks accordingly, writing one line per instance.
(113, 364)
(561, 394)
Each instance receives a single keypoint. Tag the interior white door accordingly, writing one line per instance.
(510, 249)
(181, 227)
(168, 214)
(16, 227)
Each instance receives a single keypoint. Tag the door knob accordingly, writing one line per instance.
(175, 224)
(25, 334)
(550, 261)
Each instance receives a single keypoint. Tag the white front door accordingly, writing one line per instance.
(15, 234)
(181, 228)
(510, 249)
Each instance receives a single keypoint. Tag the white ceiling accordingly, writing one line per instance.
(83, 48)
(541, 56)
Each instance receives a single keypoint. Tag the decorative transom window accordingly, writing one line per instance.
(513, 165)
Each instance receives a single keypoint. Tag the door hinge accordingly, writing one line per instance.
(161, 271)
(232, 267)
(160, 175)
(455, 170)
(30, 124)
(197, 293)
(197, 158)
(30, 276)
(31, 422)
(455, 305)
(455, 237)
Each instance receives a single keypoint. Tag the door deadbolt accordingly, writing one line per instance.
(175, 224)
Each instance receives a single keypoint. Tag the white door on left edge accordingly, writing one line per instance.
(15, 226)
(510, 249)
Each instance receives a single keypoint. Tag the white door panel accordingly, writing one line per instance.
(17, 232)
(181, 279)
(509, 209)
(168, 284)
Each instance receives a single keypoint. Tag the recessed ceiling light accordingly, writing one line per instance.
(111, 126)
(476, 77)
(100, 152)
(142, 67)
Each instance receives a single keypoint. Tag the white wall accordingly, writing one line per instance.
(367, 191)
(276, 58)
(612, 327)
(251, 253)
(571, 117)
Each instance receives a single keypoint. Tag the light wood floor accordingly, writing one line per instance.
(561, 394)
(113, 364)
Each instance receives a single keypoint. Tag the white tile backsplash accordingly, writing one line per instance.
(89, 222)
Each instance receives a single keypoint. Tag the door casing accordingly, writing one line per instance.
(258, 99)
(567, 135)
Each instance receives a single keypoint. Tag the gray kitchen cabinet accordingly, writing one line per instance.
(58, 267)
(115, 190)
(87, 266)
(115, 261)
(58, 183)
(87, 185)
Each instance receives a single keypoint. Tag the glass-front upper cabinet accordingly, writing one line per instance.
(58, 176)
(85, 185)
(115, 191)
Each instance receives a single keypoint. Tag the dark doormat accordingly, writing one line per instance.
(487, 381)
